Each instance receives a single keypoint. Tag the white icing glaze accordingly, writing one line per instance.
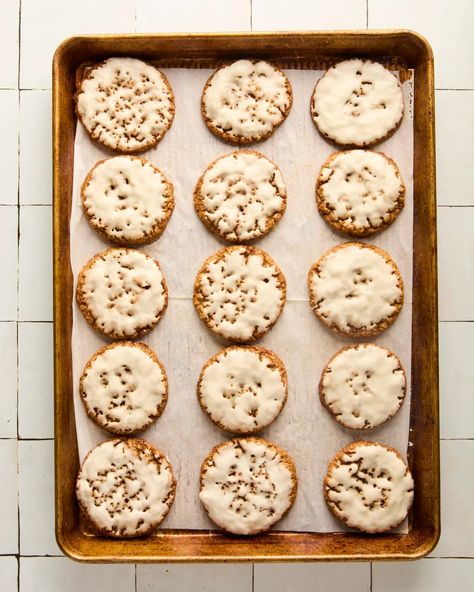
(355, 287)
(371, 488)
(360, 188)
(363, 385)
(240, 193)
(247, 100)
(357, 102)
(242, 389)
(122, 491)
(242, 294)
(124, 388)
(127, 198)
(124, 291)
(246, 487)
(125, 104)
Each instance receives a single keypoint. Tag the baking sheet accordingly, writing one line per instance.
(184, 344)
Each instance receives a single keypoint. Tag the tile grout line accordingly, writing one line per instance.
(253, 577)
(366, 14)
(251, 14)
(371, 577)
(135, 578)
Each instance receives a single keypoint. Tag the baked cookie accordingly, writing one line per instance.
(363, 386)
(125, 488)
(125, 104)
(239, 293)
(247, 485)
(359, 192)
(122, 293)
(243, 389)
(357, 103)
(124, 387)
(356, 289)
(127, 200)
(369, 487)
(246, 101)
(240, 196)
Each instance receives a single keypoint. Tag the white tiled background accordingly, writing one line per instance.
(29, 32)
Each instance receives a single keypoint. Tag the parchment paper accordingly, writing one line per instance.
(184, 344)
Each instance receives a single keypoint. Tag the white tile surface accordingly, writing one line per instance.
(35, 274)
(179, 15)
(456, 374)
(45, 24)
(455, 264)
(10, 13)
(9, 160)
(9, 255)
(455, 173)
(8, 574)
(8, 378)
(36, 486)
(317, 577)
(58, 574)
(280, 15)
(448, 27)
(194, 578)
(35, 147)
(35, 374)
(8, 497)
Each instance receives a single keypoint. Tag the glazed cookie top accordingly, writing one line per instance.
(127, 199)
(369, 487)
(125, 487)
(363, 386)
(357, 103)
(243, 389)
(239, 293)
(241, 196)
(125, 104)
(247, 485)
(245, 101)
(359, 191)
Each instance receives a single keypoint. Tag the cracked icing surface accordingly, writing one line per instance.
(125, 104)
(247, 485)
(241, 196)
(369, 487)
(239, 293)
(357, 103)
(124, 387)
(125, 487)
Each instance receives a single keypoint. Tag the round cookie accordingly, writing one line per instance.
(359, 192)
(122, 293)
(357, 103)
(239, 293)
(363, 386)
(246, 101)
(127, 200)
(369, 487)
(247, 485)
(124, 387)
(240, 196)
(125, 104)
(356, 289)
(243, 389)
(125, 488)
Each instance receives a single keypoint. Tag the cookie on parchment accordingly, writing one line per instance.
(243, 389)
(125, 104)
(124, 387)
(356, 289)
(359, 192)
(363, 386)
(125, 488)
(240, 196)
(369, 487)
(247, 485)
(246, 101)
(127, 200)
(122, 293)
(239, 293)
(357, 103)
